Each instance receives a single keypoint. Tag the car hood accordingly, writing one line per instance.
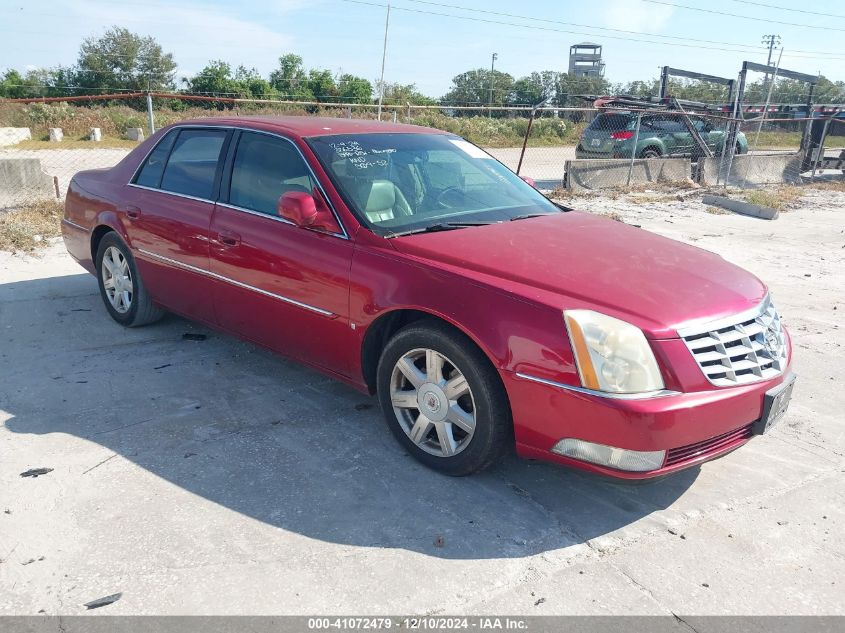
(578, 260)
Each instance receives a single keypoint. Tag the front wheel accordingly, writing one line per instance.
(443, 400)
(121, 288)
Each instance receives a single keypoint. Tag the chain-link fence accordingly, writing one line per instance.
(43, 144)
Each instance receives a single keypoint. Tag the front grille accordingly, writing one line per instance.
(750, 349)
(706, 448)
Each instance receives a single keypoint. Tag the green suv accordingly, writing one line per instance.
(611, 135)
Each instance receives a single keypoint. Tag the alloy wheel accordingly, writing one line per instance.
(117, 279)
(433, 402)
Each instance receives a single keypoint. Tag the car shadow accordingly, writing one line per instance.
(267, 438)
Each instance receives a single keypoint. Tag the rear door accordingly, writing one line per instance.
(168, 217)
(674, 134)
(278, 284)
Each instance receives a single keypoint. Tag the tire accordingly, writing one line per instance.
(650, 152)
(134, 307)
(480, 398)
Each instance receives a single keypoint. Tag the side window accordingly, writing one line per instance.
(193, 163)
(672, 125)
(264, 168)
(150, 174)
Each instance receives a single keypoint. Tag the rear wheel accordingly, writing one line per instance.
(121, 288)
(650, 152)
(442, 399)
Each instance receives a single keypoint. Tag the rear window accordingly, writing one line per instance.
(150, 174)
(611, 122)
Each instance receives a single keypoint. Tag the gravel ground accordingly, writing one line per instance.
(213, 477)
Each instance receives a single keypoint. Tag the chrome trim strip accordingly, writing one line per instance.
(171, 193)
(266, 293)
(663, 393)
(277, 218)
(692, 328)
(75, 225)
(343, 234)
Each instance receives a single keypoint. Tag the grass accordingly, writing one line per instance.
(828, 185)
(781, 198)
(113, 120)
(28, 228)
(717, 211)
(774, 139)
(106, 143)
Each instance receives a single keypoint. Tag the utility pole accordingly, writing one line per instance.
(383, 59)
(771, 41)
(492, 81)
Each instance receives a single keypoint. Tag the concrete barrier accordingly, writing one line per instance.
(744, 208)
(56, 135)
(591, 174)
(135, 134)
(14, 135)
(21, 180)
(752, 169)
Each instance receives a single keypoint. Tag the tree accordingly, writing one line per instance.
(250, 84)
(396, 93)
(352, 89)
(322, 85)
(122, 60)
(290, 79)
(473, 88)
(572, 86)
(215, 79)
(12, 85)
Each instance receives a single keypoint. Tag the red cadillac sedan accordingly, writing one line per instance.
(409, 263)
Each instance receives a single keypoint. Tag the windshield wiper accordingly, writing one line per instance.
(440, 226)
(529, 215)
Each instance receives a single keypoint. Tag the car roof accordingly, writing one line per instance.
(313, 126)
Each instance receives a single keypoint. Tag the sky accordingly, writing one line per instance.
(427, 49)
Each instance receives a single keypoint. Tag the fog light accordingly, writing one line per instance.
(611, 456)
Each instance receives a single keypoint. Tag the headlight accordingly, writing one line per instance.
(611, 355)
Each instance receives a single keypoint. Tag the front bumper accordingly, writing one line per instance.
(691, 427)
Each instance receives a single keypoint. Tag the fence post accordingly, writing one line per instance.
(634, 148)
(409, 111)
(525, 140)
(150, 114)
(818, 151)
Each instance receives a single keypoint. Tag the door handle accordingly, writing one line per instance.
(228, 238)
(133, 212)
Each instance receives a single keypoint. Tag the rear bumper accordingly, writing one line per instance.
(77, 241)
(582, 153)
(691, 427)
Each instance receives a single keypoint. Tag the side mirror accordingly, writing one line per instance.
(530, 181)
(306, 211)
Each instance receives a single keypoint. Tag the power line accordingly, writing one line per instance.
(569, 32)
(782, 8)
(598, 28)
(756, 18)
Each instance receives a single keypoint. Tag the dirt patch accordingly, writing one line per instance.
(30, 227)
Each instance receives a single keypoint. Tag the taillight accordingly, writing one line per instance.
(622, 136)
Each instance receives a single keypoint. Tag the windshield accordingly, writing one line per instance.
(400, 183)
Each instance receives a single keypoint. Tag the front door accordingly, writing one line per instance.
(278, 284)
